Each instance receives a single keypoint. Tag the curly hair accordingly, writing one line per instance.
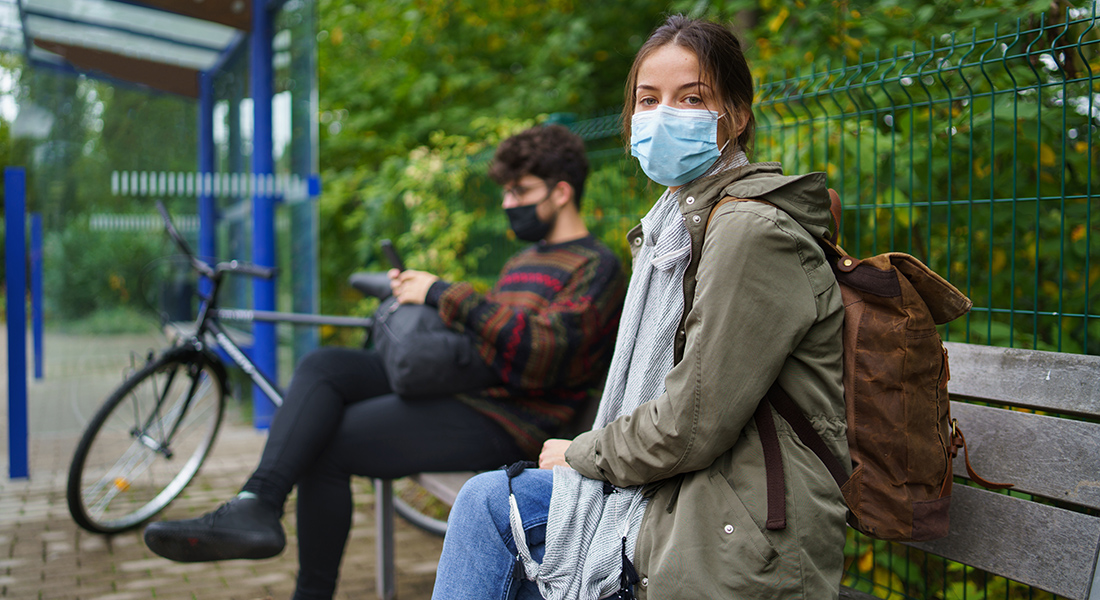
(550, 152)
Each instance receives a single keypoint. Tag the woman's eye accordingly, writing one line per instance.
(693, 100)
(647, 101)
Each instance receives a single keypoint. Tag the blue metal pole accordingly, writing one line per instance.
(264, 350)
(36, 293)
(207, 209)
(15, 274)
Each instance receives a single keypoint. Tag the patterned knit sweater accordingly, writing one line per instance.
(547, 327)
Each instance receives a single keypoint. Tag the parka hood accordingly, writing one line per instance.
(804, 197)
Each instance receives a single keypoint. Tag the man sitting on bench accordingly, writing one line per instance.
(547, 327)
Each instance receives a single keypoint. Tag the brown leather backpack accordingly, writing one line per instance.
(901, 435)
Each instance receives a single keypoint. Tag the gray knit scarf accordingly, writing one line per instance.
(586, 527)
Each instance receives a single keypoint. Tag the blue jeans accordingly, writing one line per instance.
(479, 553)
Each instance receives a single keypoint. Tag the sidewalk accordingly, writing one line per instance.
(44, 555)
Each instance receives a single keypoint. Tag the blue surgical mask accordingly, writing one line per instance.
(674, 145)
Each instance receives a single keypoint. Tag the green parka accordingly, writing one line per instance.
(760, 303)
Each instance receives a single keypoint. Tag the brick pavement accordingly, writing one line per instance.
(44, 555)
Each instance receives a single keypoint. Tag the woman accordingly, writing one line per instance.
(666, 496)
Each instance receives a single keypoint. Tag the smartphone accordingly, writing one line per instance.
(392, 256)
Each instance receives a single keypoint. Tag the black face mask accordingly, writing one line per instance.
(525, 221)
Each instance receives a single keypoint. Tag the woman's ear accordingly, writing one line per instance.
(739, 122)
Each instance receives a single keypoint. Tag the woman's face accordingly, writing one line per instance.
(670, 76)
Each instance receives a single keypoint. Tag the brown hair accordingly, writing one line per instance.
(722, 65)
(550, 152)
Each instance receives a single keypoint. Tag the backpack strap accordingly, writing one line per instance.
(778, 399)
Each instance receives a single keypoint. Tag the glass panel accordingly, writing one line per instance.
(111, 279)
(11, 28)
(136, 19)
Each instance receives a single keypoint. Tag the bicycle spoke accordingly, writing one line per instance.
(146, 443)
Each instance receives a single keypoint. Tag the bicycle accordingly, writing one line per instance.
(150, 437)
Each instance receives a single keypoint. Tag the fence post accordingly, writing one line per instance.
(37, 317)
(265, 346)
(15, 275)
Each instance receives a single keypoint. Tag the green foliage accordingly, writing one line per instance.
(94, 271)
(392, 75)
(784, 36)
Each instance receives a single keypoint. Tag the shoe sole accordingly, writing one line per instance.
(207, 546)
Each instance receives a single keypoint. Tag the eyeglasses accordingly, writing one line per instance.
(519, 191)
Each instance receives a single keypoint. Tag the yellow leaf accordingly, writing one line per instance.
(1046, 155)
(1078, 233)
(867, 561)
(855, 14)
(777, 21)
(1050, 289)
(337, 36)
(1081, 147)
(1000, 258)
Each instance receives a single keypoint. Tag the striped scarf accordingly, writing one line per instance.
(587, 528)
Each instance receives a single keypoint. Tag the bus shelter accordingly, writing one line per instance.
(207, 106)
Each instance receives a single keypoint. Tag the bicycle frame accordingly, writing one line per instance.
(208, 320)
(247, 315)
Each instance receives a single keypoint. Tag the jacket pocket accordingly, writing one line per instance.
(739, 527)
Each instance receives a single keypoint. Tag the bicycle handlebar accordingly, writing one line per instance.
(204, 268)
(244, 268)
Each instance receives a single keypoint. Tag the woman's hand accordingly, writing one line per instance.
(553, 453)
(411, 287)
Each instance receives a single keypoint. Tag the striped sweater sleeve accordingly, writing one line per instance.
(545, 323)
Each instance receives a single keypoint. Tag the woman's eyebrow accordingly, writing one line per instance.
(693, 84)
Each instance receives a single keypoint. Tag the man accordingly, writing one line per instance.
(547, 328)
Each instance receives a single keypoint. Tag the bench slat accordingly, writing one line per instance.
(1052, 457)
(444, 486)
(1054, 381)
(1047, 547)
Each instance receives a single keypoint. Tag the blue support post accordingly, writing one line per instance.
(15, 274)
(265, 348)
(207, 209)
(37, 317)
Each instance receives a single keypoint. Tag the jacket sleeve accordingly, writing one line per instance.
(753, 304)
(536, 347)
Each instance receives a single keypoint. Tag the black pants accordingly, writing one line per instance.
(340, 418)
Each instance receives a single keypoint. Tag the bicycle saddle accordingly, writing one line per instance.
(371, 284)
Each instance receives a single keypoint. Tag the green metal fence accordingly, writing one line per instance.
(977, 154)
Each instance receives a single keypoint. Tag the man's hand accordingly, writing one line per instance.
(411, 287)
(553, 453)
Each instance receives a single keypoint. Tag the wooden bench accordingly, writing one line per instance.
(1051, 542)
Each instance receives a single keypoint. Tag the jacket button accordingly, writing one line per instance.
(638, 241)
(690, 200)
(695, 219)
(645, 581)
(728, 528)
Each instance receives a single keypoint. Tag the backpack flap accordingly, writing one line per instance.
(945, 302)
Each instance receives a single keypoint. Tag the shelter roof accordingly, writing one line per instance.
(161, 44)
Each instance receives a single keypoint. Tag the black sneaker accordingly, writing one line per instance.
(240, 528)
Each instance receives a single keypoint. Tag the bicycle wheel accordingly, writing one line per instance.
(417, 506)
(147, 441)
